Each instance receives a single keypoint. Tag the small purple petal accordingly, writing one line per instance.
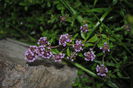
(30, 56)
(41, 50)
(89, 56)
(33, 49)
(47, 54)
(58, 57)
(78, 46)
(101, 70)
(84, 28)
(43, 41)
(105, 48)
(64, 39)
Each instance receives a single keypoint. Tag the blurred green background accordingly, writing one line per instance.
(28, 20)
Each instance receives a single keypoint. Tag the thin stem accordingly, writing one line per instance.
(55, 46)
(113, 58)
(103, 58)
(95, 44)
(99, 22)
(63, 49)
(68, 7)
(84, 69)
(123, 45)
(74, 53)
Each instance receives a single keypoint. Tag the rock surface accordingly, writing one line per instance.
(16, 73)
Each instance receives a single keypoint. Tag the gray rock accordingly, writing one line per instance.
(16, 73)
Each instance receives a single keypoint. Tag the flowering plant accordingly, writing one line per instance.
(88, 50)
(71, 49)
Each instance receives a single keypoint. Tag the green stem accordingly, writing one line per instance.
(85, 69)
(77, 65)
(99, 22)
(123, 45)
(109, 83)
(68, 7)
(102, 18)
(114, 59)
(103, 58)
(72, 11)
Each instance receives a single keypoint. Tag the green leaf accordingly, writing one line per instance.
(100, 54)
(81, 55)
(112, 85)
(68, 52)
(73, 38)
(55, 51)
(93, 39)
(80, 72)
(88, 44)
(104, 36)
(97, 10)
(83, 35)
(115, 2)
(95, 1)
(101, 42)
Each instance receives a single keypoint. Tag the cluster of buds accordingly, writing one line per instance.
(89, 56)
(59, 57)
(47, 54)
(64, 39)
(105, 48)
(43, 41)
(30, 56)
(101, 70)
(44, 50)
(84, 28)
(78, 46)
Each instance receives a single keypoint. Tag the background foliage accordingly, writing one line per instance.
(110, 20)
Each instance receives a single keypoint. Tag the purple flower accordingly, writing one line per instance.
(101, 70)
(78, 46)
(89, 56)
(84, 28)
(34, 49)
(58, 57)
(30, 56)
(41, 50)
(43, 41)
(46, 54)
(105, 47)
(64, 39)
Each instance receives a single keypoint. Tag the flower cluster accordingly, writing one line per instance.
(64, 39)
(84, 28)
(33, 49)
(89, 56)
(43, 41)
(105, 48)
(30, 56)
(40, 50)
(47, 54)
(58, 57)
(101, 70)
(44, 50)
(78, 46)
